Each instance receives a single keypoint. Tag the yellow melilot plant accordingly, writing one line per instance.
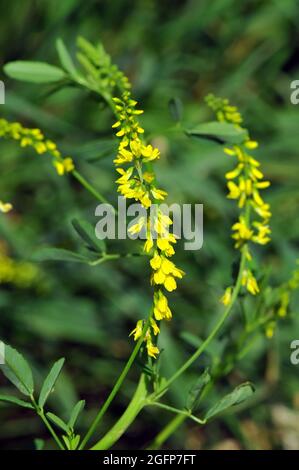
(138, 184)
(136, 181)
(244, 183)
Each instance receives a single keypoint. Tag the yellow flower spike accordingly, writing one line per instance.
(139, 185)
(246, 191)
(34, 138)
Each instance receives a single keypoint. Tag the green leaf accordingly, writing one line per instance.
(87, 233)
(16, 401)
(50, 381)
(75, 442)
(58, 421)
(35, 72)
(17, 370)
(66, 60)
(220, 132)
(195, 393)
(58, 254)
(237, 396)
(75, 413)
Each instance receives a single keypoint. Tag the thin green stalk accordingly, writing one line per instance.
(133, 409)
(185, 413)
(89, 187)
(213, 333)
(117, 385)
(113, 256)
(166, 432)
(42, 415)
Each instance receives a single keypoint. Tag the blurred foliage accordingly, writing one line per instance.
(172, 50)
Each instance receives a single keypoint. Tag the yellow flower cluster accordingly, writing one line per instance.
(34, 138)
(244, 184)
(135, 183)
(22, 274)
(282, 307)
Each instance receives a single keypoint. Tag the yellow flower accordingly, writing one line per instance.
(137, 332)
(63, 166)
(5, 206)
(270, 330)
(161, 308)
(158, 194)
(227, 296)
(155, 327)
(148, 245)
(242, 232)
(136, 228)
(251, 144)
(152, 350)
(249, 281)
(234, 190)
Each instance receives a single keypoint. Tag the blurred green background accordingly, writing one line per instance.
(246, 51)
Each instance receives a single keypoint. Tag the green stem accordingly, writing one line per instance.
(117, 385)
(113, 256)
(213, 333)
(42, 415)
(89, 187)
(137, 403)
(167, 431)
(185, 413)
